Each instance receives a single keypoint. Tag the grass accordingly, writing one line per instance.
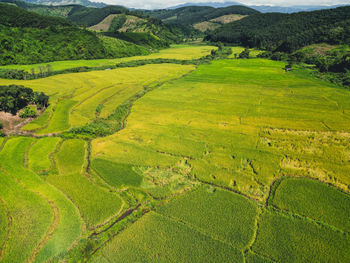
(95, 204)
(288, 239)
(228, 121)
(180, 52)
(71, 157)
(116, 174)
(221, 214)
(315, 200)
(155, 238)
(45, 223)
(41, 164)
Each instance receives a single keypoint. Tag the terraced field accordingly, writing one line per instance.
(233, 161)
(75, 97)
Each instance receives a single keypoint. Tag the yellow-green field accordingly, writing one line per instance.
(179, 52)
(237, 50)
(239, 124)
(233, 161)
(74, 97)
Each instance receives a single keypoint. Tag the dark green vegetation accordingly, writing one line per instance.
(160, 239)
(194, 14)
(312, 199)
(116, 174)
(35, 38)
(14, 98)
(287, 33)
(285, 238)
(222, 215)
(92, 16)
(12, 16)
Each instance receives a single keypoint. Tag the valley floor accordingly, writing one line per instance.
(232, 161)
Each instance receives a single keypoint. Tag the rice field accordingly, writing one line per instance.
(115, 174)
(230, 126)
(155, 238)
(71, 157)
(223, 215)
(75, 97)
(41, 164)
(44, 222)
(179, 52)
(233, 161)
(315, 200)
(288, 239)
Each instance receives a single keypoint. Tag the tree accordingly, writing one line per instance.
(245, 53)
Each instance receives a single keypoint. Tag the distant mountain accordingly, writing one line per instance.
(67, 2)
(291, 9)
(211, 4)
(263, 8)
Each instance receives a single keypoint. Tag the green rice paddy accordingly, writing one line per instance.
(179, 52)
(233, 161)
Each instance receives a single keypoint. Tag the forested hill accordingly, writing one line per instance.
(190, 15)
(27, 38)
(141, 29)
(17, 17)
(287, 32)
(67, 2)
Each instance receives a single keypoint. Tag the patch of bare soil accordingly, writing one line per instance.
(12, 124)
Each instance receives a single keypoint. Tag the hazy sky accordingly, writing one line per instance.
(150, 4)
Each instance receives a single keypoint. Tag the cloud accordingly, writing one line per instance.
(152, 4)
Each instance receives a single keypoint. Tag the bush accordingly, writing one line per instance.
(28, 112)
(244, 53)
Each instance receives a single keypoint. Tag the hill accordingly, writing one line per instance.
(191, 15)
(68, 2)
(287, 32)
(147, 31)
(142, 30)
(263, 8)
(27, 38)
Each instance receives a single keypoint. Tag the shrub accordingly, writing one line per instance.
(28, 112)
(244, 53)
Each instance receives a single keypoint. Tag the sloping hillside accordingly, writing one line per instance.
(191, 15)
(142, 30)
(217, 22)
(27, 38)
(287, 33)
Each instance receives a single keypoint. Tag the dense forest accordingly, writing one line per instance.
(287, 33)
(12, 16)
(160, 35)
(194, 14)
(27, 38)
